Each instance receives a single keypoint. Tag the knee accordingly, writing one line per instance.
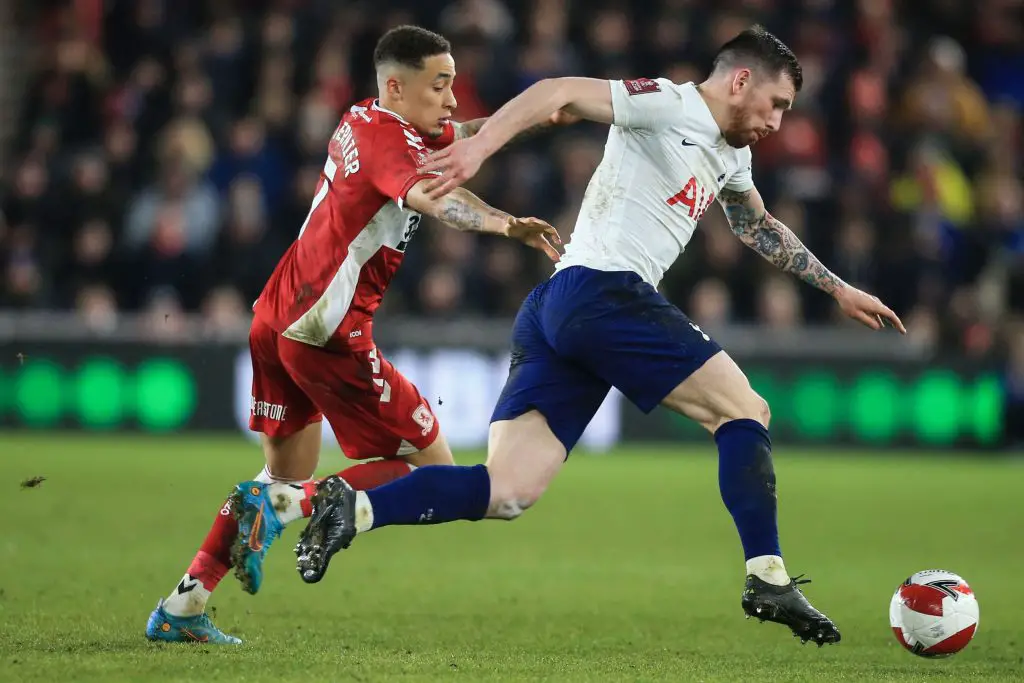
(751, 406)
(747, 405)
(511, 499)
(763, 411)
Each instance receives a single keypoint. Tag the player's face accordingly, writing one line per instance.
(760, 102)
(428, 98)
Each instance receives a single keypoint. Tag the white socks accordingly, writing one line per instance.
(287, 499)
(188, 599)
(287, 495)
(768, 568)
(364, 512)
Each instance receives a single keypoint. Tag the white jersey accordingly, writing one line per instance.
(664, 163)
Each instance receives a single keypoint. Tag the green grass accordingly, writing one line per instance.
(629, 569)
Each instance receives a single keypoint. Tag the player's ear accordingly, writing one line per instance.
(740, 80)
(393, 85)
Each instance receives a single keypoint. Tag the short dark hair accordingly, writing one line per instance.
(756, 48)
(409, 46)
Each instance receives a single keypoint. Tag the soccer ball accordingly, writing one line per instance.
(934, 613)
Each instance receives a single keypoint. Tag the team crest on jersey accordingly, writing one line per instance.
(640, 86)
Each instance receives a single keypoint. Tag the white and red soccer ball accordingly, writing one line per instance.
(934, 613)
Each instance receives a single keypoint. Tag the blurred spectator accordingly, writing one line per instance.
(97, 307)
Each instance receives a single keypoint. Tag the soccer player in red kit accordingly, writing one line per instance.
(311, 338)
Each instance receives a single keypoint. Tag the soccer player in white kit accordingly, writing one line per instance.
(599, 321)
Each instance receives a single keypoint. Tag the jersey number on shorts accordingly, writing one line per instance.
(689, 198)
(379, 382)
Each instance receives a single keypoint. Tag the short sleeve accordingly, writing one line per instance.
(396, 161)
(742, 180)
(645, 103)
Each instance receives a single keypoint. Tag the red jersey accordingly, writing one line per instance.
(331, 280)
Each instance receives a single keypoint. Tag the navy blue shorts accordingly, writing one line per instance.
(584, 331)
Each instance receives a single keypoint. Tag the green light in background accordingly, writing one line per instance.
(816, 404)
(875, 406)
(938, 400)
(100, 393)
(37, 393)
(986, 409)
(165, 394)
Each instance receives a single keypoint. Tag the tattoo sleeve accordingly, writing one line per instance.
(463, 210)
(470, 128)
(769, 237)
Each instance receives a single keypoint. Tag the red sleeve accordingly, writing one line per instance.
(395, 163)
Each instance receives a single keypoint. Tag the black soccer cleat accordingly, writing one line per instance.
(787, 605)
(331, 528)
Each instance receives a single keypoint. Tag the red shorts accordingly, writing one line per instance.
(374, 411)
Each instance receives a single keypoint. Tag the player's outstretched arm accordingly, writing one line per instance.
(463, 210)
(765, 234)
(587, 98)
(562, 117)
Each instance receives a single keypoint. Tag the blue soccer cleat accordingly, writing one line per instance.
(198, 629)
(258, 526)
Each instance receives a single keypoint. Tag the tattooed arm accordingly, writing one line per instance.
(463, 210)
(770, 238)
(467, 129)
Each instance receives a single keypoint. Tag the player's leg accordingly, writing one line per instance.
(544, 408)
(283, 493)
(290, 429)
(337, 386)
(719, 397)
(655, 355)
(523, 457)
(374, 411)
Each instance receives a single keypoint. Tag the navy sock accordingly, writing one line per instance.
(432, 495)
(746, 478)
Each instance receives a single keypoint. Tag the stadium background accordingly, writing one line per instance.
(157, 159)
(156, 156)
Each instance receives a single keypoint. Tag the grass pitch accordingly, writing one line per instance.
(628, 569)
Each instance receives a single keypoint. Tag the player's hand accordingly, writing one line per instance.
(458, 162)
(535, 233)
(867, 309)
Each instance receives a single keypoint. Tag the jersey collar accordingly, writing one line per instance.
(385, 110)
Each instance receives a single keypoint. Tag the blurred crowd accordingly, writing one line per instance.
(166, 153)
